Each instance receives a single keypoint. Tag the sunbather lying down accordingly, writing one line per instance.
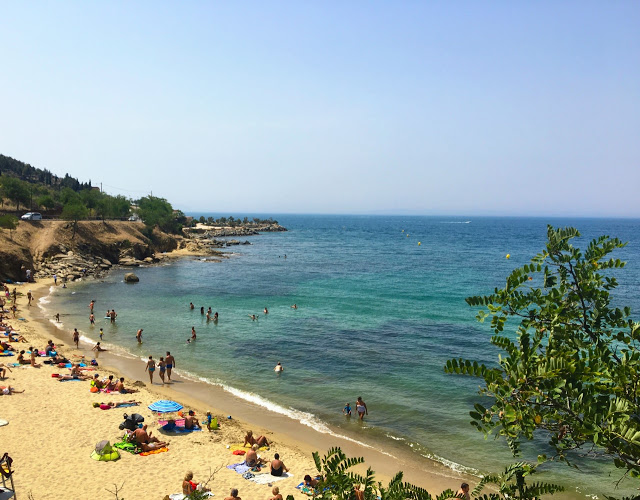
(8, 391)
(117, 404)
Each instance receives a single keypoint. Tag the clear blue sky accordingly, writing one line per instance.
(424, 107)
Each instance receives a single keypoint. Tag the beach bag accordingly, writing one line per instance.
(104, 452)
(131, 421)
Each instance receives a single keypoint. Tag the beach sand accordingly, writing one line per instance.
(53, 429)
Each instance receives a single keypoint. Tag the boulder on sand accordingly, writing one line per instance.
(131, 278)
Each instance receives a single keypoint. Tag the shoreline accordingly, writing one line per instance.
(429, 474)
(292, 438)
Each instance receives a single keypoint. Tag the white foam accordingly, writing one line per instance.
(304, 418)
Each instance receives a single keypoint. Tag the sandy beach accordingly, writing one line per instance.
(53, 428)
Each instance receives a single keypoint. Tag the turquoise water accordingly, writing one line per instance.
(378, 316)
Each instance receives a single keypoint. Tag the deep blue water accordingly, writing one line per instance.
(378, 316)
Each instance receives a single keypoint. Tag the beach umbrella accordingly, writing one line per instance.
(164, 406)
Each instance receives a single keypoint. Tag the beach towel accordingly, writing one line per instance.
(154, 452)
(239, 452)
(240, 446)
(70, 380)
(240, 467)
(268, 478)
(177, 429)
(305, 489)
(180, 496)
(6, 353)
(128, 447)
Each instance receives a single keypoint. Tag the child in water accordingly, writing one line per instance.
(347, 409)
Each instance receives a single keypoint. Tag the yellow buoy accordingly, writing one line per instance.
(419, 243)
(403, 230)
(407, 235)
(508, 256)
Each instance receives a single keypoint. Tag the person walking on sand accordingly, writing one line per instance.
(171, 363)
(151, 367)
(57, 317)
(361, 408)
(76, 337)
(29, 297)
(92, 319)
(113, 315)
(55, 280)
(162, 367)
(139, 336)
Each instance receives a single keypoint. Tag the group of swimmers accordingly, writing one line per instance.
(361, 408)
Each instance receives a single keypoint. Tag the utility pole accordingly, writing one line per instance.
(101, 187)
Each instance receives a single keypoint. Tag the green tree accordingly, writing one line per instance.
(47, 202)
(16, 190)
(158, 212)
(570, 368)
(9, 222)
(74, 211)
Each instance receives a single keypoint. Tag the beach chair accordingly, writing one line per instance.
(8, 490)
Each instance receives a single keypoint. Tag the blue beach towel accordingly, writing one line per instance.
(240, 468)
(69, 365)
(176, 429)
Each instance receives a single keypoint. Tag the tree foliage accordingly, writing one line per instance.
(570, 369)
(75, 211)
(156, 211)
(9, 222)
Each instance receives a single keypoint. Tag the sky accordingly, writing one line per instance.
(408, 107)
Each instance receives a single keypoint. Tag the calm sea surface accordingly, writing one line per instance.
(378, 316)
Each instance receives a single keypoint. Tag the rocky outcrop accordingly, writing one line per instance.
(131, 278)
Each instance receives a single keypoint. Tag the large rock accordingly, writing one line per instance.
(131, 278)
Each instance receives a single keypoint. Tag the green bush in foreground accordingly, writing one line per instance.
(571, 367)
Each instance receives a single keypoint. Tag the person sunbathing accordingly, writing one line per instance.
(6, 346)
(109, 384)
(251, 458)
(260, 441)
(146, 441)
(310, 482)
(121, 389)
(3, 370)
(189, 486)
(276, 494)
(191, 422)
(21, 359)
(96, 382)
(233, 495)
(34, 353)
(277, 467)
(8, 391)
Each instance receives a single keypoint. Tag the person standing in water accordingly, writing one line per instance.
(193, 333)
(170, 363)
(278, 368)
(202, 310)
(113, 315)
(151, 367)
(92, 319)
(361, 408)
(101, 333)
(191, 306)
(139, 336)
(91, 304)
(76, 337)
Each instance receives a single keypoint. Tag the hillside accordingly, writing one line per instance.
(41, 245)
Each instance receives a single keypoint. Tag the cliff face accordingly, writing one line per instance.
(48, 246)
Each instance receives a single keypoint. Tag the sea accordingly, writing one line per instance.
(380, 309)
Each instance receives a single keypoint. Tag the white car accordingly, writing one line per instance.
(32, 216)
